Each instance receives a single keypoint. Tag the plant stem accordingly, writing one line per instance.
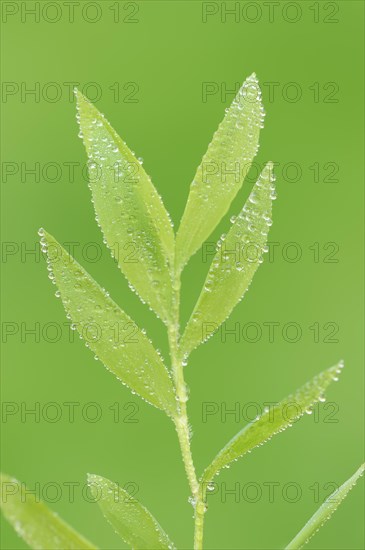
(181, 420)
(200, 510)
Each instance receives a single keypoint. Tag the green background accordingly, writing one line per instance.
(169, 53)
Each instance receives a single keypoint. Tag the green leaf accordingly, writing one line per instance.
(130, 212)
(222, 170)
(273, 421)
(131, 521)
(238, 256)
(108, 331)
(325, 511)
(41, 528)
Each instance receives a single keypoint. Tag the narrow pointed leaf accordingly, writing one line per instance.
(130, 212)
(222, 170)
(273, 421)
(108, 331)
(325, 511)
(130, 520)
(238, 256)
(34, 522)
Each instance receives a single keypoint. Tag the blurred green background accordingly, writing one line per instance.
(148, 62)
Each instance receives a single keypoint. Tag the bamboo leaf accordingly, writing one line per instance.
(34, 522)
(272, 421)
(222, 170)
(238, 256)
(130, 520)
(130, 212)
(325, 511)
(108, 331)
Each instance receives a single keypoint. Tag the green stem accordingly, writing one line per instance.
(181, 419)
(200, 510)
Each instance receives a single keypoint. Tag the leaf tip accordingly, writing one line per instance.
(252, 83)
(83, 104)
(336, 370)
(94, 483)
(45, 239)
(79, 95)
(92, 478)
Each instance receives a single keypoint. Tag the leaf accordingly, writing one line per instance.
(325, 511)
(222, 170)
(238, 256)
(41, 528)
(130, 212)
(109, 332)
(273, 421)
(130, 520)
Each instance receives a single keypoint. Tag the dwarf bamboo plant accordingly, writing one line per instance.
(128, 208)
